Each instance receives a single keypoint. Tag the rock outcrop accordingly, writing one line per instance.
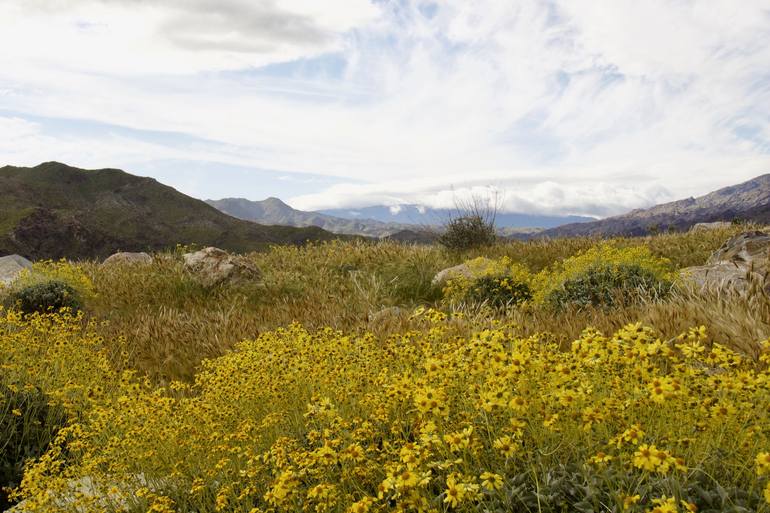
(11, 267)
(445, 275)
(741, 264)
(126, 258)
(213, 266)
(457, 271)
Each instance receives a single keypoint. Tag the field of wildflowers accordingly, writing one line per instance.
(166, 396)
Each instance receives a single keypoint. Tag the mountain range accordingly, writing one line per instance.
(748, 201)
(377, 221)
(54, 211)
(421, 216)
(275, 211)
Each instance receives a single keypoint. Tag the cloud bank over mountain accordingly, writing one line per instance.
(565, 106)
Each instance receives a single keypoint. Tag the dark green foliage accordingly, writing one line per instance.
(468, 232)
(609, 286)
(46, 297)
(28, 424)
(498, 292)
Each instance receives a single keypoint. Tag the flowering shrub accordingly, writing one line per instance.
(45, 297)
(50, 285)
(497, 283)
(605, 275)
(424, 421)
(28, 424)
(52, 370)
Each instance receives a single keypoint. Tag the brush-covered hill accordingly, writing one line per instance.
(275, 211)
(54, 211)
(748, 201)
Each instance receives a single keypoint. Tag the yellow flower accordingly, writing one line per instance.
(459, 440)
(491, 481)
(600, 458)
(665, 505)
(763, 463)
(647, 457)
(431, 400)
(454, 492)
(630, 500)
(506, 445)
(407, 479)
(361, 506)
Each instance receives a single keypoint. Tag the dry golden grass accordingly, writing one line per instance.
(171, 323)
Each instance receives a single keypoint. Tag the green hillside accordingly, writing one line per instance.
(54, 210)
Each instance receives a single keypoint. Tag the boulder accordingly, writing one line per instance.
(445, 275)
(744, 249)
(741, 264)
(213, 266)
(702, 227)
(721, 276)
(124, 258)
(11, 267)
(457, 271)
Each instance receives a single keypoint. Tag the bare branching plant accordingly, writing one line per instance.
(472, 223)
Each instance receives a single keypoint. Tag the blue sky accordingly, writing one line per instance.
(585, 107)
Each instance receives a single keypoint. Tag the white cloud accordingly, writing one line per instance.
(576, 106)
(577, 197)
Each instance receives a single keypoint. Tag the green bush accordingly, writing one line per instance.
(468, 232)
(498, 292)
(609, 286)
(496, 283)
(28, 424)
(46, 297)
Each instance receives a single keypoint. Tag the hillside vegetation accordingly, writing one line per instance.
(566, 375)
(54, 210)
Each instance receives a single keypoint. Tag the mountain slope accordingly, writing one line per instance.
(275, 211)
(54, 210)
(749, 201)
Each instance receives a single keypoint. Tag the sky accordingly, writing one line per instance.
(586, 107)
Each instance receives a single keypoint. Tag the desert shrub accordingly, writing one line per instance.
(609, 286)
(467, 232)
(496, 283)
(28, 424)
(605, 275)
(45, 297)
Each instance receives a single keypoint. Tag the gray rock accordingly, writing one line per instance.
(740, 265)
(724, 276)
(445, 275)
(213, 266)
(124, 258)
(744, 249)
(11, 266)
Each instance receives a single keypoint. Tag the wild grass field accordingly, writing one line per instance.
(563, 375)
